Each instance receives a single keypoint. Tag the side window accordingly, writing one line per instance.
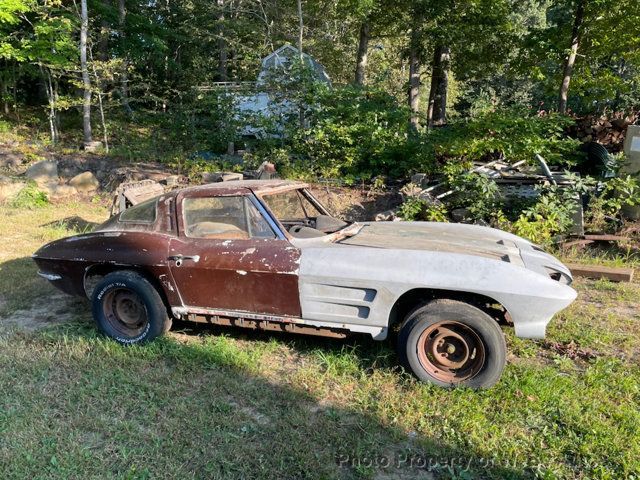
(142, 213)
(228, 218)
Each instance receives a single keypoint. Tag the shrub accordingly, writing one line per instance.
(358, 132)
(511, 134)
(30, 197)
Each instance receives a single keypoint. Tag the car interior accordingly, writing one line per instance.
(300, 216)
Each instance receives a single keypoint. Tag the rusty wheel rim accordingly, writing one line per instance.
(125, 311)
(451, 351)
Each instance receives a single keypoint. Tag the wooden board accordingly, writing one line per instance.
(596, 271)
(605, 238)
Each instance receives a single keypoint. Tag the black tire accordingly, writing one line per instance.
(451, 343)
(129, 309)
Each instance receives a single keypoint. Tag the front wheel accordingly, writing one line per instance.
(129, 309)
(451, 343)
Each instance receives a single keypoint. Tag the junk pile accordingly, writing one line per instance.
(607, 131)
(130, 193)
(515, 182)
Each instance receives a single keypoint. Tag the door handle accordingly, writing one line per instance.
(180, 258)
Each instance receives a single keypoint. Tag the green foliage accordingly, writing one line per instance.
(615, 194)
(478, 193)
(510, 134)
(30, 197)
(358, 132)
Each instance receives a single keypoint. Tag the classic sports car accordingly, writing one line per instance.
(268, 255)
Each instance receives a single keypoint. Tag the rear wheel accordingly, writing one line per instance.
(129, 309)
(451, 343)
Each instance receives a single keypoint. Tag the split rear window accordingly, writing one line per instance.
(142, 213)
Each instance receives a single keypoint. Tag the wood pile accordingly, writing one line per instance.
(606, 130)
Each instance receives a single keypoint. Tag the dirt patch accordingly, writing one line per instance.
(571, 350)
(56, 309)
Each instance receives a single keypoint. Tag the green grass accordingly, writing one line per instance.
(208, 402)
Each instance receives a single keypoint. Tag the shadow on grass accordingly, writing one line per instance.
(73, 224)
(200, 409)
(195, 409)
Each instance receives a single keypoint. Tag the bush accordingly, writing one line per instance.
(510, 134)
(360, 133)
(30, 197)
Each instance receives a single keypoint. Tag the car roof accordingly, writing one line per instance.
(240, 186)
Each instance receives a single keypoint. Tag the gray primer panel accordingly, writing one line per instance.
(528, 293)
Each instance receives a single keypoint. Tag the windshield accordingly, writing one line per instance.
(291, 206)
(300, 216)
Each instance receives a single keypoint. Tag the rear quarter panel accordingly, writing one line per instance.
(72, 257)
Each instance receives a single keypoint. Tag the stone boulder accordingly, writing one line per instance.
(85, 182)
(59, 192)
(213, 177)
(43, 173)
(10, 160)
(386, 216)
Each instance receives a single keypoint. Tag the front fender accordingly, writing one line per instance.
(360, 285)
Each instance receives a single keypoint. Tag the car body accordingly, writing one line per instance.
(245, 253)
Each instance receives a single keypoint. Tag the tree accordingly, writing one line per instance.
(124, 73)
(86, 80)
(576, 35)
(415, 60)
(362, 55)
(437, 109)
(448, 28)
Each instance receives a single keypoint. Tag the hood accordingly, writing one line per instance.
(440, 237)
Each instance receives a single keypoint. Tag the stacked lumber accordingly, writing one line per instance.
(606, 130)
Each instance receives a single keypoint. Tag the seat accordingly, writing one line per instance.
(217, 230)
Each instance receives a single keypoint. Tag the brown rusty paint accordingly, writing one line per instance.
(254, 275)
(73, 257)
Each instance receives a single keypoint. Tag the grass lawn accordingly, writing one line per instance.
(209, 402)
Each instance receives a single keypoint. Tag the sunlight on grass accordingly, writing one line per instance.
(207, 402)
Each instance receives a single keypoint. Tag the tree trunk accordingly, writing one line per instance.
(437, 109)
(51, 98)
(300, 33)
(361, 59)
(124, 74)
(100, 94)
(414, 81)
(300, 28)
(86, 81)
(576, 34)
(222, 44)
(4, 92)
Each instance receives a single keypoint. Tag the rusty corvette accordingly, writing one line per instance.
(267, 255)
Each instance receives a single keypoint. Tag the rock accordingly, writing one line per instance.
(91, 146)
(43, 173)
(386, 216)
(58, 192)
(9, 188)
(213, 177)
(85, 182)
(460, 214)
(172, 180)
(10, 160)
(420, 179)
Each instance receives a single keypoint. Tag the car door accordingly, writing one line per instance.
(228, 257)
